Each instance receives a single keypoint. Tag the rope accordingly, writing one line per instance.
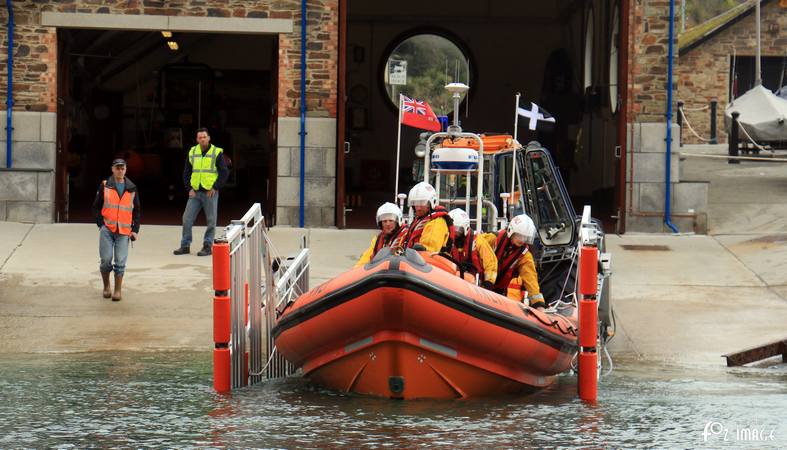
(745, 158)
(759, 147)
(702, 108)
(686, 121)
(262, 371)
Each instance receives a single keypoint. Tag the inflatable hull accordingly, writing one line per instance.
(404, 327)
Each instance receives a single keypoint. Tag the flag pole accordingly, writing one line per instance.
(510, 198)
(516, 117)
(398, 147)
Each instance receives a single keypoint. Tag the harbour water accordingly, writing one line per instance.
(158, 400)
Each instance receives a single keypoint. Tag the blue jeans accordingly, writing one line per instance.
(193, 207)
(110, 244)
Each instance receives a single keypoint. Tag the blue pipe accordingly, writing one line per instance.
(667, 220)
(9, 128)
(303, 105)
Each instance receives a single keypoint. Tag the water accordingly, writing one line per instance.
(166, 400)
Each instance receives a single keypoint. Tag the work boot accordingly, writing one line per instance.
(206, 250)
(107, 291)
(116, 295)
(182, 251)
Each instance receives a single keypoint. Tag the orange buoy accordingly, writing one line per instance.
(221, 266)
(221, 369)
(588, 323)
(221, 320)
(588, 271)
(588, 376)
(588, 320)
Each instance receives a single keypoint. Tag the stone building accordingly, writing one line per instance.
(94, 79)
(717, 61)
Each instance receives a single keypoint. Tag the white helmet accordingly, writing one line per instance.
(422, 194)
(389, 211)
(461, 220)
(523, 225)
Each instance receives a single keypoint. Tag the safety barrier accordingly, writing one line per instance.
(251, 283)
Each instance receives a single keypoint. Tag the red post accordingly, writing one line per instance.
(221, 317)
(588, 323)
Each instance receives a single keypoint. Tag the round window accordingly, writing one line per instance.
(420, 67)
(613, 61)
(588, 79)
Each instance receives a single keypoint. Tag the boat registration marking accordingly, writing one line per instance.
(440, 348)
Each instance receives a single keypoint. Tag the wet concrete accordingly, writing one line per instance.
(700, 298)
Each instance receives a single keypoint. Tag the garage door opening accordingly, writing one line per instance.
(561, 55)
(143, 95)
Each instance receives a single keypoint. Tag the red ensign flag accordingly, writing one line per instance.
(419, 114)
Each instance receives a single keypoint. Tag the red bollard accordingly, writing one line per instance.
(588, 324)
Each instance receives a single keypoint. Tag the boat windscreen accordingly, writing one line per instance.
(553, 216)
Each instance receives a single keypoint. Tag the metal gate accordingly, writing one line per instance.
(252, 284)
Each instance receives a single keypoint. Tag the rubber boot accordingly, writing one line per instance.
(116, 295)
(107, 290)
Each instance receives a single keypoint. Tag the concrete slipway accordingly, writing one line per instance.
(701, 297)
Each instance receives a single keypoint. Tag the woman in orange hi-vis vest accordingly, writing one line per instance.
(117, 210)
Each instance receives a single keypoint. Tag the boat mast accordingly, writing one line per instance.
(757, 68)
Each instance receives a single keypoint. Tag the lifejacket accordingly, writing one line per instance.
(508, 257)
(468, 256)
(117, 210)
(415, 229)
(204, 172)
(394, 240)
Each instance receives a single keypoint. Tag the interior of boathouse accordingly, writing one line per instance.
(561, 55)
(142, 95)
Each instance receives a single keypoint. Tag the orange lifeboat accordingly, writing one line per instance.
(405, 326)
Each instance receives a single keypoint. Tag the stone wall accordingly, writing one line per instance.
(27, 191)
(648, 51)
(35, 54)
(319, 172)
(35, 74)
(646, 155)
(703, 72)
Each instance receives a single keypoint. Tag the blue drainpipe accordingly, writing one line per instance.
(303, 105)
(9, 128)
(667, 220)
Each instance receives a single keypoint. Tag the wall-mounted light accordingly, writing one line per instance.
(166, 34)
(172, 45)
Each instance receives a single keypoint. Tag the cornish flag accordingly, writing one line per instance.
(418, 114)
(536, 115)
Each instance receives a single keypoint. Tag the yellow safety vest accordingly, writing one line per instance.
(203, 168)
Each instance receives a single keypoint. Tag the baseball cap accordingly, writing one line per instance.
(119, 162)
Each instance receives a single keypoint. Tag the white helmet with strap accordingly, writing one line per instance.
(461, 220)
(524, 226)
(389, 211)
(422, 194)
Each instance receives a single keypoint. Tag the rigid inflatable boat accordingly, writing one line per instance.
(406, 326)
(410, 325)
